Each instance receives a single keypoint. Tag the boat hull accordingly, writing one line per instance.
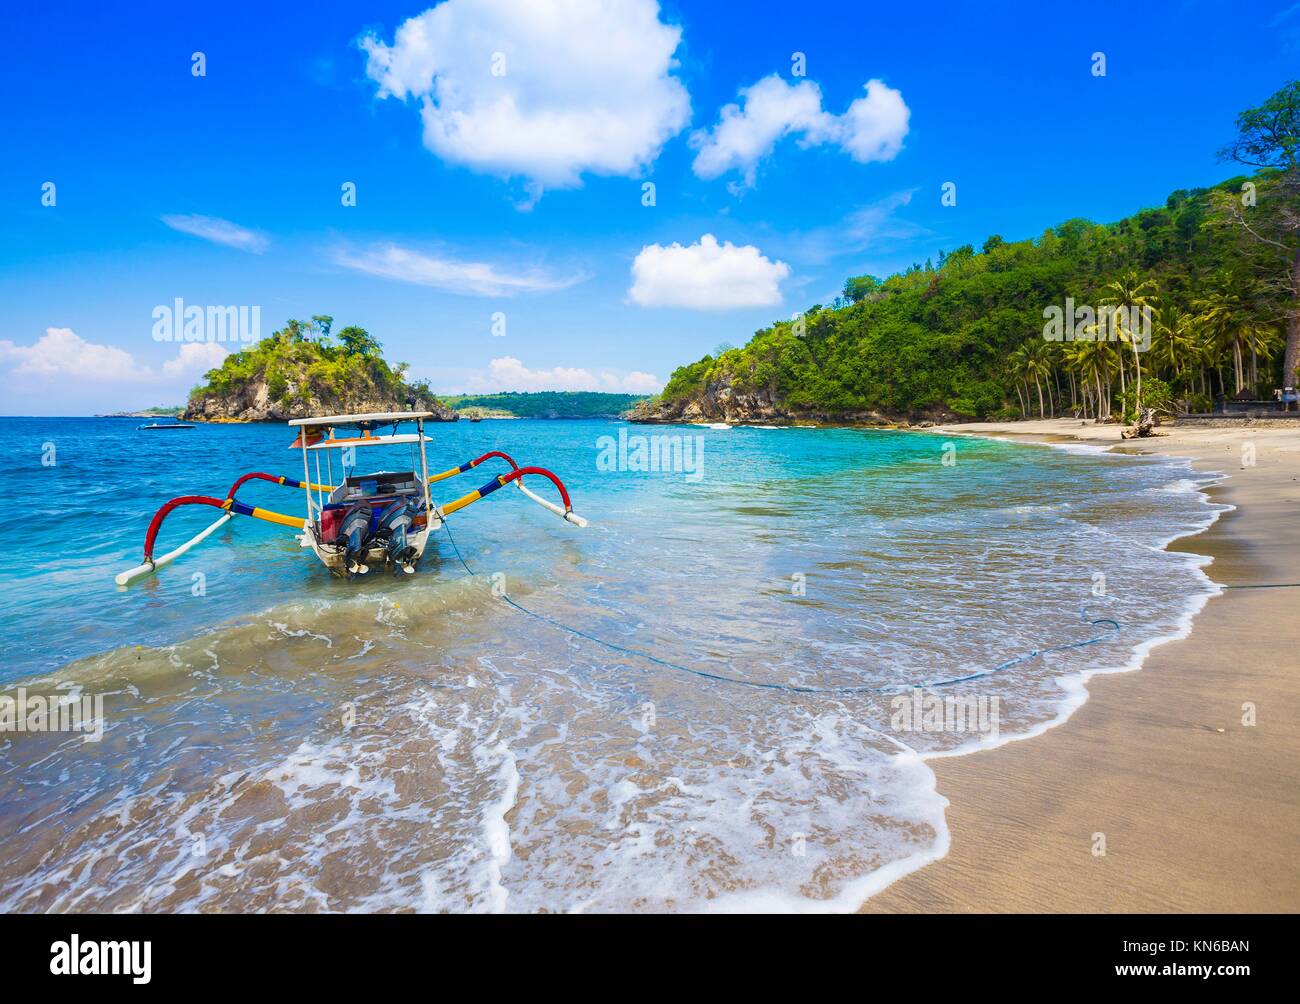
(376, 556)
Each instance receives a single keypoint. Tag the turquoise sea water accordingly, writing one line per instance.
(416, 743)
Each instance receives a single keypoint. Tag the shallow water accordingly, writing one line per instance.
(278, 739)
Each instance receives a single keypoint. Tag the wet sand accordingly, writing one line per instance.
(1199, 811)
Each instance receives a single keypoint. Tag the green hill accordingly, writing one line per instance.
(302, 370)
(544, 404)
(1218, 268)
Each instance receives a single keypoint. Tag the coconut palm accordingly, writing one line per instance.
(1263, 340)
(1023, 369)
(1229, 320)
(1038, 365)
(1130, 294)
(1095, 362)
(1172, 338)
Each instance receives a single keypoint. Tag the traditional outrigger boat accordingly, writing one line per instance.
(379, 519)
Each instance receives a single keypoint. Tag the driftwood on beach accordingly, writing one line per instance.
(1144, 426)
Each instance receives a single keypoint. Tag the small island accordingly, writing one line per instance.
(172, 411)
(303, 370)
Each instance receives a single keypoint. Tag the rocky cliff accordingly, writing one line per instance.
(298, 372)
(252, 402)
(717, 400)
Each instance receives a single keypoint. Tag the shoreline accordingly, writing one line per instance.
(1199, 811)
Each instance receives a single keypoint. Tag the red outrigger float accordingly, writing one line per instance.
(381, 519)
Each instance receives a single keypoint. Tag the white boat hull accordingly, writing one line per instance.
(376, 557)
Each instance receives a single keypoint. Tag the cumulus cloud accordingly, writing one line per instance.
(509, 373)
(472, 278)
(219, 231)
(637, 382)
(62, 353)
(871, 129)
(544, 90)
(706, 276)
(195, 359)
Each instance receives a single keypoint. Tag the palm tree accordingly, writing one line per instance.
(1038, 365)
(1131, 294)
(1202, 355)
(1172, 339)
(1021, 367)
(1096, 363)
(1264, 340)
(1230, 321)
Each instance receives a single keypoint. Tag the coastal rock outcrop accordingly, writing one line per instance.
(718, 400)
(252, 402)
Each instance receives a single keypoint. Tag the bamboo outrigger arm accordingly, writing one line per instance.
(232, 507)
(516, 475)
(471, 464)
(289, 482)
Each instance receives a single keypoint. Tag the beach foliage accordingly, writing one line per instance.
(544, 404)
(1216, 270)
(301, 361)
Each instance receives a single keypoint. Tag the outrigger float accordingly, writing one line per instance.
(382, 519)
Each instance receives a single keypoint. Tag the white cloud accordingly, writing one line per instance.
(706, 276)
(587, 85)
(219, 232)
(876, 227)
(637, 382)
(472, 278)
(508, 373)
(872, 128)
(1283, 14)
(62, 353)
(195, 359)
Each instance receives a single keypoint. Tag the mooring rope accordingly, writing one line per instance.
(790, 687)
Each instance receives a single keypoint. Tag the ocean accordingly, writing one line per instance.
(722, 695)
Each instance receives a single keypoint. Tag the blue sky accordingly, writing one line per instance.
(518, 190)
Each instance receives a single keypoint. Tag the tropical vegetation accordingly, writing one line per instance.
(305, 362)
(1202, 295)
(543, 404)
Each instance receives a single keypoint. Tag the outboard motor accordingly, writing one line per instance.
(394, 525)
(354, 536)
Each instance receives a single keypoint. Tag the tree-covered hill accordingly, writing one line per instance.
(544, 404)
(1216, 270)
(303, 370)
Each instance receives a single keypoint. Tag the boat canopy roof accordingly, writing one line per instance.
(374, 416)
(338, 444)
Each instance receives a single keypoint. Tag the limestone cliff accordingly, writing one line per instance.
(717, 400)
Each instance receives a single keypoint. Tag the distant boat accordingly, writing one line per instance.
(163, 425)
(476, 418)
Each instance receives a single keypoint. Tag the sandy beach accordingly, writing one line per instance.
(1200, 811)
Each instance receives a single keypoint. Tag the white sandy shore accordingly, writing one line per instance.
(1200, 811)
